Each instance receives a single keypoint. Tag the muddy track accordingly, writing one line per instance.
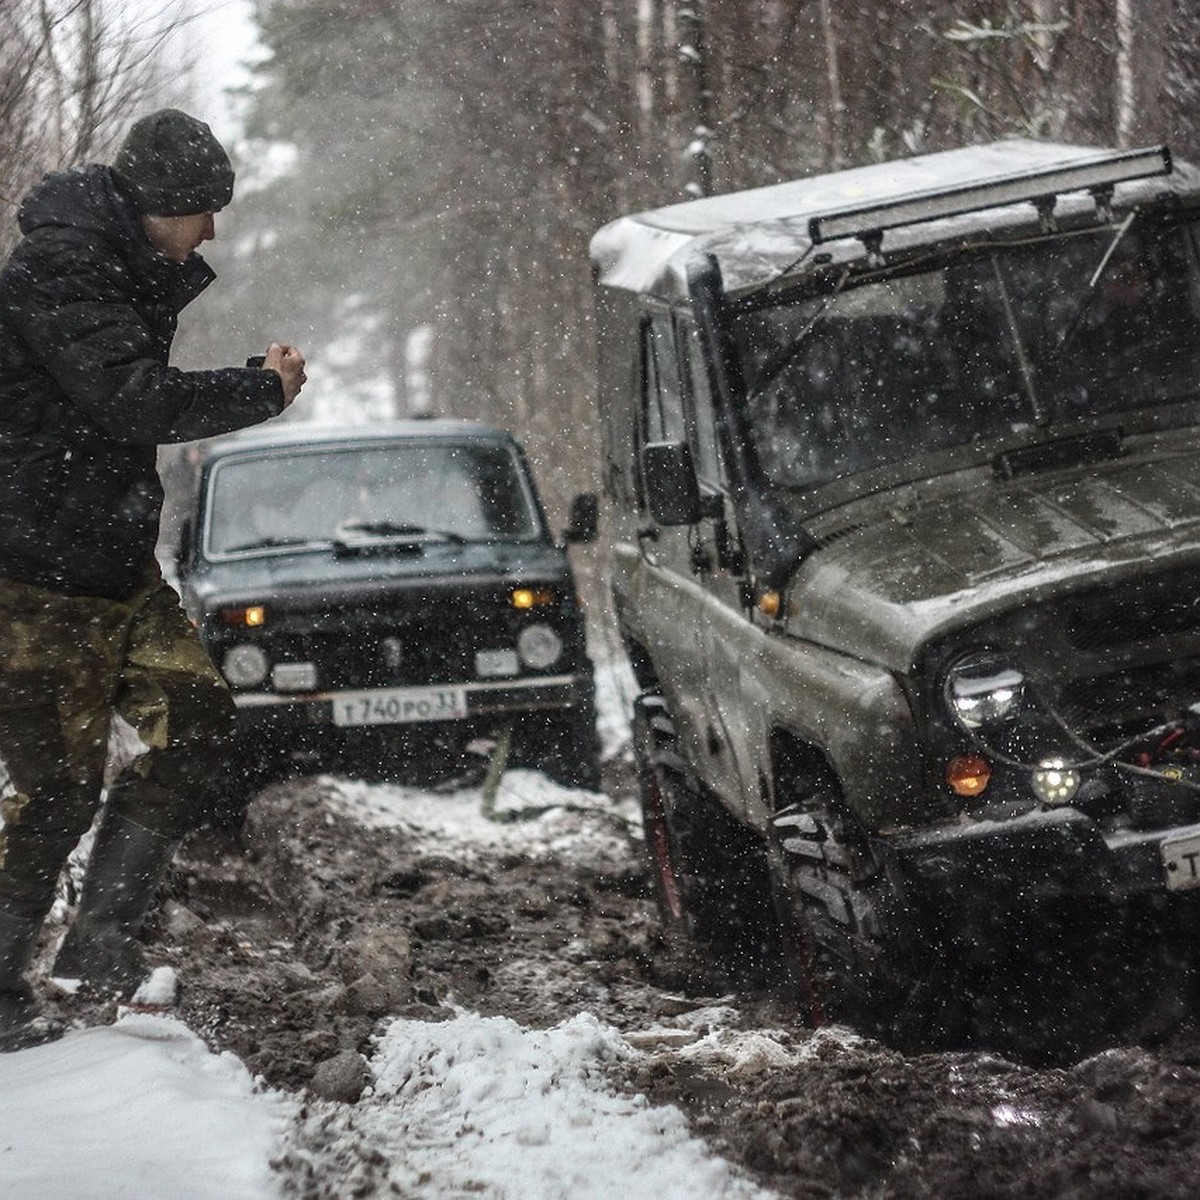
(296, 944)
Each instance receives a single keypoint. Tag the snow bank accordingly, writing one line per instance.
(140, 1108)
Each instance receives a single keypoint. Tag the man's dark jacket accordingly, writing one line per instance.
(87, 312)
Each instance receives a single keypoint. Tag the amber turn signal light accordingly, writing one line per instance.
(770, 604)
(250, 617)
(968, 774)
(531, 597)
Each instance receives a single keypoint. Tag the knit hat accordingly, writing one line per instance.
(173, 166)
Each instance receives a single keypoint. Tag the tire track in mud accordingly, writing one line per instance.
(295, 947)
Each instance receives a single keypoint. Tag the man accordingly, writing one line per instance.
(88, 630)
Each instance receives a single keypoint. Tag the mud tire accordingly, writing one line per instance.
(709, 874)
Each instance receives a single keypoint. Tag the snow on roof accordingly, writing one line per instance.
(761, 233)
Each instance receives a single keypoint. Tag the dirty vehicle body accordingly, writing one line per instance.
(905, 468)
(388, 593)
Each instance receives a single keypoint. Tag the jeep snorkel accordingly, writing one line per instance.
(776, 542)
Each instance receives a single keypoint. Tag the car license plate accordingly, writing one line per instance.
(1181, 859)
(399, 706)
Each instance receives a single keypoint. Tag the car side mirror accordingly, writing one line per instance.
(585, 518)
(672, 490)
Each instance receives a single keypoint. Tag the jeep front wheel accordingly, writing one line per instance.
(860, 953)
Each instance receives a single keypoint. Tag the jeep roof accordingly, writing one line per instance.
(766, 234)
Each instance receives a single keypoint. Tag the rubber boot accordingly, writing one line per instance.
(20, 1023)
(101, 949)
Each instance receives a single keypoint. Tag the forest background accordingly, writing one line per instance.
(419, 179)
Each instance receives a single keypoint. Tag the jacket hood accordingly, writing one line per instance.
(914, 572)
(87, 202)
(85, 199)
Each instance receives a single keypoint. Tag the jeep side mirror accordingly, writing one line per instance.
(585, 518)
(672, 490)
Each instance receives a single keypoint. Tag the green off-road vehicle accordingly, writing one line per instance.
(904, 470)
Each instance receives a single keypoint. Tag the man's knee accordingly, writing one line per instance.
(41, 829)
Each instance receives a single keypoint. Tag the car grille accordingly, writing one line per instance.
(431, 640)
(1111, 666)
(1140, 611)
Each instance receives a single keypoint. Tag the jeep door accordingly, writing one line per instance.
(733, 697)
(666, 611)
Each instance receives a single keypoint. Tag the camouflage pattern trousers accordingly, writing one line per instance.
(68, 666)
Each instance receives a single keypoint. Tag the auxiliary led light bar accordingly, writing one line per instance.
(1098, 174)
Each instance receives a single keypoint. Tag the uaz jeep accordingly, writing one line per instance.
(390, 592)
(904, 464)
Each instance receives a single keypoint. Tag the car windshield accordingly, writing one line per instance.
(1014, 336)
(430, 491)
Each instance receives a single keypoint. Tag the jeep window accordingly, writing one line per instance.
(661, 402)
(471, 492)
(980, 346)
(709, 464)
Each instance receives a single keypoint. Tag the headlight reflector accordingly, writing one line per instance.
(539, 646)
(982, 689)
(244, 665)
(1054, 782)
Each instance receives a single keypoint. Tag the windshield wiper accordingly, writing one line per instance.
(272, 543)
(782, 358)
(1090, 291)
(1028, 378)
(392, 529)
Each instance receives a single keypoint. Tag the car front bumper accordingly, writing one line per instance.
(485, 704)
(1044, 856)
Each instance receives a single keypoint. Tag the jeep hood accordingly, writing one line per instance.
(900, 572)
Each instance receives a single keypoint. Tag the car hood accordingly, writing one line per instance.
(324, 573)
(899, 571)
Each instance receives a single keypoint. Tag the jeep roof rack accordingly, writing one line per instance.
(763, 234)
(1039, 185)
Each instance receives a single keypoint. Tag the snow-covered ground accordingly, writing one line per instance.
(470, 1106)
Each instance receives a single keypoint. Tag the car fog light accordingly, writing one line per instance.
(1054, 782)
(244, 665)
(539, 646)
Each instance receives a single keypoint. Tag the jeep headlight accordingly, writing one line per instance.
(983, 689)
(539, 646)
(244, 665)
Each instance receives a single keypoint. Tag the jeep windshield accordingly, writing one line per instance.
(995, 341)
(428, 492)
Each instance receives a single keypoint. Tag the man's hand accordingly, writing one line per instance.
(288, 363)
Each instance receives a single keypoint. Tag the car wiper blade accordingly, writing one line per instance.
(274, 543)
(1089, 292)
(782, 359)
(391, 529)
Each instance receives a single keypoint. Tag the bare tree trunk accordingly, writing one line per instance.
(834, 150)
(1125, 93)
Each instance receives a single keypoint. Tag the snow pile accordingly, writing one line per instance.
(140, 1108)
(479, 1105)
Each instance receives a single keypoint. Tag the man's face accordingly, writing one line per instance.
(176, 237)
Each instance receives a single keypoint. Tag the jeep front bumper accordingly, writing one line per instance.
(1044, 856)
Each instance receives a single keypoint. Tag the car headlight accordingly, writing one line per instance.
(244, 665)
(983, 689)
(539, 646)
